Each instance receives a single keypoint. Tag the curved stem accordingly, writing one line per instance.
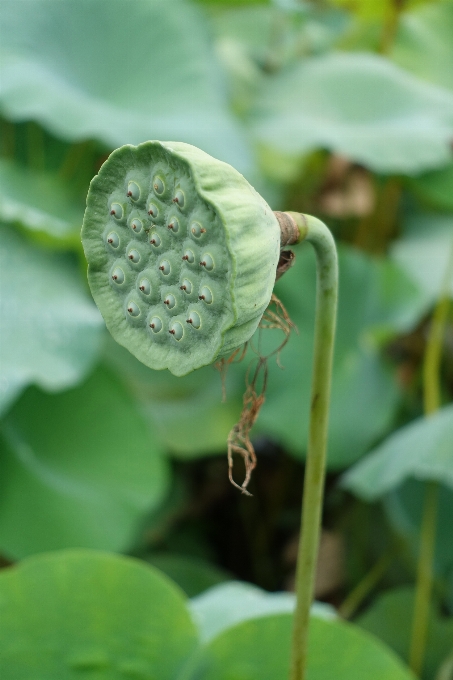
(314, 231)
(432, 401)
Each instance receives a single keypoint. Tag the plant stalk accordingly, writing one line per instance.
(316, 233)
(355, 598)
(432, 402)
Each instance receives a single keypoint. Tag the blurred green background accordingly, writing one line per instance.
(340, 108)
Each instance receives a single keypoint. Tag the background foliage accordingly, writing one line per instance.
(341, 108)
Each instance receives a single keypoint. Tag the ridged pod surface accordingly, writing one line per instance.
(182, 254)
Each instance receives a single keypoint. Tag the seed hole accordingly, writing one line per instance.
(170, 301)
(118, 275)
(155, 324)
(165, 267)
(206, 295)
(113, 239)
(207, 262)
(145, 286)
(179, 198)
(158, 185)
(133, 191)
(174, 225)
(133, 309)
(136, 225)
(186, 285)
(155, 240)
(134, 256)
(116, 209)
(177, 330)
(194, 320)
(189, 256)
(197, 230)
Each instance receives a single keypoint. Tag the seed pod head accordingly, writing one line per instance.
(194, 250)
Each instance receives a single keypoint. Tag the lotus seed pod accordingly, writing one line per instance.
(167, 207)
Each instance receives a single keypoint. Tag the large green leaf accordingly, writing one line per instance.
(39, 202)
(253, 41)
(435, 188)
(376, 299)
(423, 43)
(79, 614)
(421, 450)
(225, 605)
(259, 650)
(120, 72)
(423, 252)
(193, 574)
(78, 469)
(358, 105)
(404, 508)
(51, 329)
(390, 618)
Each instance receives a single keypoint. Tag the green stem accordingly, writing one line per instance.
(355, 598)
(432, 401)
(314, 231)
(391, 25)
(424, 579)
